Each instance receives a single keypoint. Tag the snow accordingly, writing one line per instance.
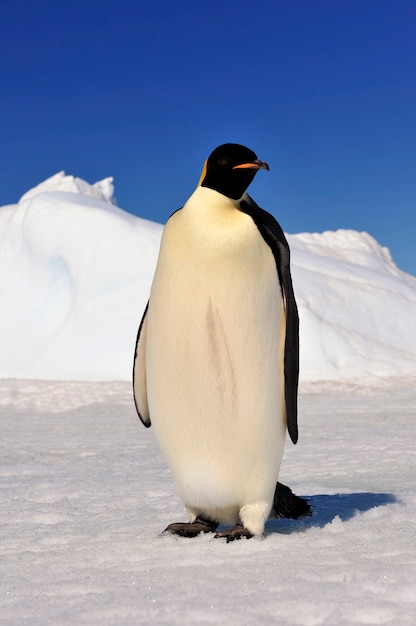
(101, 190)
(357, 309)
(84, 491)
(75, 274)
(85, 495)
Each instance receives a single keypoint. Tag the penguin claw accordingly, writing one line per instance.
(236, 532)
(191, 529)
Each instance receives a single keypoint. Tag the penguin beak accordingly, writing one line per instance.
(254, 165)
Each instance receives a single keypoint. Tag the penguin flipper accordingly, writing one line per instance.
(139, 373)
(273, 235)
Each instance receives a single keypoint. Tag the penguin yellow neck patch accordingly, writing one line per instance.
(204, 173)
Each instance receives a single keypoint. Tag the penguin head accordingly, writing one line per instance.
(230, 169)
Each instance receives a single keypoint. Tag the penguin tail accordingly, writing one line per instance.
(287, 504)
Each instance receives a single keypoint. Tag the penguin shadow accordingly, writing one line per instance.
(325, 508)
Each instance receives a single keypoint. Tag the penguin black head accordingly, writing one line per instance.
(230, 169)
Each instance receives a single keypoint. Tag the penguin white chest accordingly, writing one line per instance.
(214, 356)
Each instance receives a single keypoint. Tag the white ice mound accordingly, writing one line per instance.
(75, 273)
(75, 276)
(101, 190)
(357, 309)
(349, 246)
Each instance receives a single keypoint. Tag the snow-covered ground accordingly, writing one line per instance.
(85, 493)
(75, 275)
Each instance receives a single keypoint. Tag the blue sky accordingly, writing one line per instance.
(323, 90)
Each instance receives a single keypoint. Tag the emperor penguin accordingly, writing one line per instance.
(217, 354)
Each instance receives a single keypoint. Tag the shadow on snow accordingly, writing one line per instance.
(327, 507)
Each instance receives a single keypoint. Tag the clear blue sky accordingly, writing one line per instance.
(323, 90)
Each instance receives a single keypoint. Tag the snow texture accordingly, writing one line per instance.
(75, 275)
(85, 495)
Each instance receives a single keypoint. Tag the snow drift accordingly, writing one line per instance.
(75, 274)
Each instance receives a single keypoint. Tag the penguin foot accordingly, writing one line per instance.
(191, 529)
(236, 532)
(287, 504)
